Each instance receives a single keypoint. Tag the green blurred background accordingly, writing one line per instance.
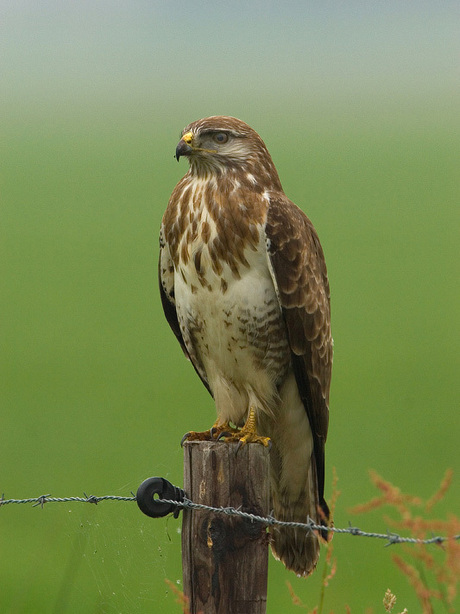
(358, 104)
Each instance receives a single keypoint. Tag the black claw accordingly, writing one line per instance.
(184, 438)
(223, 434)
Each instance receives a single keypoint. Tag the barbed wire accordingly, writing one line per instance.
(391, 538)
(49, 499)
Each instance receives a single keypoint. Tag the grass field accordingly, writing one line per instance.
(95, 392)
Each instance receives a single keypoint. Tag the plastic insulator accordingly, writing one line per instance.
(152, 505)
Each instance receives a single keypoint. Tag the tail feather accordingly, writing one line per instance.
(297, 495)
(297, 548)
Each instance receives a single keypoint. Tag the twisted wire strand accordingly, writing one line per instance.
(49, 499)
(391, 538)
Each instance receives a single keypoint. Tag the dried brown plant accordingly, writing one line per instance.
(432, 570)
(389, 602)
(181, 599)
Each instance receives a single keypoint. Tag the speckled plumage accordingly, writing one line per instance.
(244, 287)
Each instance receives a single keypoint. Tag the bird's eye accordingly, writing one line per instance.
(220, 137)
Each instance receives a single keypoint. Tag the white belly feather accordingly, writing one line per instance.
(234, 333)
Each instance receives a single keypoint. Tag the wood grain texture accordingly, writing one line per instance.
(225, 558)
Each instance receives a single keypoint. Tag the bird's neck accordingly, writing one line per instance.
(229, 178)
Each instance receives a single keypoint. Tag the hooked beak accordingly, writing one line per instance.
(184, 147)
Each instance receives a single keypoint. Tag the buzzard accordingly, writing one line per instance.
(244, 287)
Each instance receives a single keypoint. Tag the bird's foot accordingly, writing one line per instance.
(219, 430)
(247, 434)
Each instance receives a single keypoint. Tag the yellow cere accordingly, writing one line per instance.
(188, 136)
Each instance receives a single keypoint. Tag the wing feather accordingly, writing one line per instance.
(299, 273)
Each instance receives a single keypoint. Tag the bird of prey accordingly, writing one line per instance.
(244, 287)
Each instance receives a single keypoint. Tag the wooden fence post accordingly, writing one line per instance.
(225, 558)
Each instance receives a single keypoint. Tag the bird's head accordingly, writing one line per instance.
(218, 144)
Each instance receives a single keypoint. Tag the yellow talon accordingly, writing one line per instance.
(217, 430)
(222, 431)
(248, 433)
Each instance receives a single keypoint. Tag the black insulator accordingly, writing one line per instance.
(152, 505)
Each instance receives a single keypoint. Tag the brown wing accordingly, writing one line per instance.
(166, 283)
(300, 276)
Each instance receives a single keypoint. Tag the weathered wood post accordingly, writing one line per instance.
(225, 558)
